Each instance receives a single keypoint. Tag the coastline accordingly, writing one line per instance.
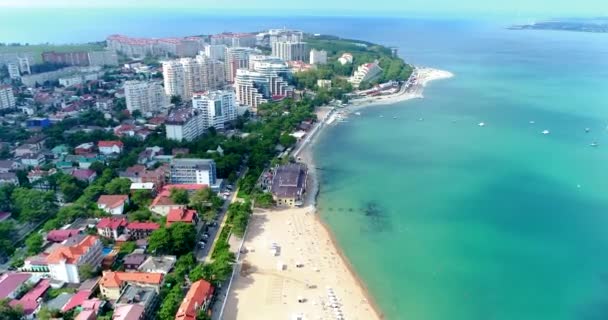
(269, 285)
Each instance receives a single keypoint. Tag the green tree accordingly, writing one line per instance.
(201, 271)
(86, 271)
(34, 205)
(160, 241)
(7, 242)
(287, 140)
(176, 100)
(9, 313)
(183, 237)
(179, 196)
(141, 198)
(34, 243)
(140, 215)
(172, 301)
(5, 197)
(118, 186)
(128, 247)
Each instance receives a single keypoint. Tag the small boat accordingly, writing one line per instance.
(532, 122)
(546, 132)
(395, 117)
(358, 113)
(420, 119)
(594, 144)
(381, 116)
(482, 124)
(587, 130)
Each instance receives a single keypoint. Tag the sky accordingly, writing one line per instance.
(337, 7)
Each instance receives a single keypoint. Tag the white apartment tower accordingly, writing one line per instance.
(269, 79)
(7, 98)
(147, 97)
(217, 107)
(318, 56)
(185, 76)
(236, 58)
(184, 124)
(365, 72)
(290, 50)
(215, 51)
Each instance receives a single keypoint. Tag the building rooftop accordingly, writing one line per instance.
(61, 234)
(107, 144)
(143, 226)
(71, 254)
(160, 264)
(134, 294)
(128, 312)
(199, 292)
(11, 281)
(289, 181)
(180, 215)
(135, 259)
(112, 279)
(29, 302)
(112, 223)
(112, 201)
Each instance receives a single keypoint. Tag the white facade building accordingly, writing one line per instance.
(346, 58)
(365, 72)
(7, 98)
(269, 79)
(185, 76)
(193, 171)
(318, 56)
(215, 51)
(147, 97)
(184, 124)
(13, 70)
(237, 58)
(64, 261)
(290, 50)
(217, 107)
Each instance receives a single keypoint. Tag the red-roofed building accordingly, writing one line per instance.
(141, 230)
(197, 298)
(113, 204)
(162, 204)
(112, 227)
(110, 147)
(85, 148)
(112, 283)
(61, 235)
(181, 215)
(64, 261)
(29, 302)
(11, 283)
(76, 300)
(86, 175)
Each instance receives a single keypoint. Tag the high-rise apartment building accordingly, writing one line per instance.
(290, 50)
(237, 58)
(7, 98)
(234, 39)
(193, 171)
(318, 56)
(185, 76)
(184, 124)
(268, 80)
(147, 97)
(215, 51)
(217, 107)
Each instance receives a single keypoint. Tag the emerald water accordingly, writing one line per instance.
(444, 219)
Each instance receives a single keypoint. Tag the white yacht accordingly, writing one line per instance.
(546, 132)
(482, 124)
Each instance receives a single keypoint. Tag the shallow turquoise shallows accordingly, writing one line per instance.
(444, 219)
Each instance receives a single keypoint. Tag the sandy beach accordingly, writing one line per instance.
(308, 276)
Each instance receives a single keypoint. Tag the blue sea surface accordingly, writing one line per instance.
(442, 218)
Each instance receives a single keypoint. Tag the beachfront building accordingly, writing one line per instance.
(318, 56)
(290, 50)
(184, 124)
(64, 261)
(147, 97)
(217, 107)
(7, 98)
(197, 299)
(289, 184)
(193, 171)
(365, 73)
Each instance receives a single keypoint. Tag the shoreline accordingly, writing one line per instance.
(310, 275)
(415, 91)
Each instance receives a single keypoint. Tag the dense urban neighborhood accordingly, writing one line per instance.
(129, 166)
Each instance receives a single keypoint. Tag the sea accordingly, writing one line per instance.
(440, 217)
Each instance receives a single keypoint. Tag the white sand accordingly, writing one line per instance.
(261, 291)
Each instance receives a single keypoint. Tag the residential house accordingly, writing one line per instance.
(11, 284)
(38, 178)
(61, 235)
(84, 149)
(144, 296)
(140, 174)
(33, 159)
(77, 300)
(141, 230)
(86, 175)
(63, 262)
(60, 151)
(36, 264)
(9, 178)
(143, 186)
(112, 227)
(113, 204)
(132, 261)
(146, 157)
(35, 143)
(289, 184)
(197, 299)
(113, 283)
(158, 264)
(10, 166)
(162, 204)
(110, 147)
(129, 312)
(181, 215)
(30, 302)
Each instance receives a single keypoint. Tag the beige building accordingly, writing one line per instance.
(147, 97)
(7, 98)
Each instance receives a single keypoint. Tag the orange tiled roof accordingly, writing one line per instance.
(199, 292)
(115, 279)
(112, 201)
(71, 254)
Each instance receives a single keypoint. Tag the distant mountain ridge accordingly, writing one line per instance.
(595, 25)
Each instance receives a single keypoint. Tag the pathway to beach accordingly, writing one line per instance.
(307, 267)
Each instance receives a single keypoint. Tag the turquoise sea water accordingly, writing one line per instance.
(444, 219)
(463, 222)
